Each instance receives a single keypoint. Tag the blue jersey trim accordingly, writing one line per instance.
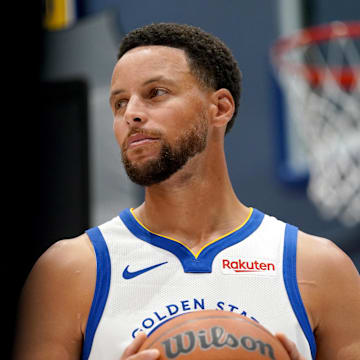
(103, 275)
(190, 263)
(290, 279)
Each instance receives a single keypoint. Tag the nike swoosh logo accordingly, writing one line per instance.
(129, 274)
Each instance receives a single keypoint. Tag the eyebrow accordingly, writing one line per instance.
(147, 82)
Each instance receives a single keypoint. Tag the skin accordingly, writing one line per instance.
(154, 84)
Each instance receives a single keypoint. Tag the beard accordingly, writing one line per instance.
(171, 157)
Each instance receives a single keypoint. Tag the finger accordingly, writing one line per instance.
(151, 354)
(290, 347)
(135, 345)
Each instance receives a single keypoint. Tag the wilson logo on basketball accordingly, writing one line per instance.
(216, 337)
(246, 266)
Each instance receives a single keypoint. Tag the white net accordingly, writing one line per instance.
(322, 83)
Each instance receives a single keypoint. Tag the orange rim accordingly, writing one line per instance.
(346, 76)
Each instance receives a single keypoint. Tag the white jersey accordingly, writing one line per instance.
(144, 279)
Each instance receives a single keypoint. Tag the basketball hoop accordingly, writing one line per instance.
(319, 71)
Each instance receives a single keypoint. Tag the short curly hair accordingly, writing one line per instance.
(210, 60)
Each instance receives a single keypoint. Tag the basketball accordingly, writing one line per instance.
(214, 335)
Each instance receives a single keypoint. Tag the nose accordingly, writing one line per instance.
(135, 113)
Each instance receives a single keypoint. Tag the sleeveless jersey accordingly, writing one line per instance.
(144, 279)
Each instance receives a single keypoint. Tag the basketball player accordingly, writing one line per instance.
(192, 245)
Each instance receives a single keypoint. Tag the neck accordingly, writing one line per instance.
(196, 205)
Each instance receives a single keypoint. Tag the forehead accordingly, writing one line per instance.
(146, 61)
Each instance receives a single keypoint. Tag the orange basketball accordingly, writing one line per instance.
(214, 335)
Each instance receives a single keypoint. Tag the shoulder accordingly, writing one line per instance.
(68, 252)
(319, 256)
(324, 265)
(56, 300)
(66, 259)
(330, 287)
(68, 263)
(62, 281)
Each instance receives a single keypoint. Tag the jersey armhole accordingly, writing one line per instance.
(103, 275)
(291, 284)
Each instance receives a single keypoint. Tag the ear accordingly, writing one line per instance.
(223, 107)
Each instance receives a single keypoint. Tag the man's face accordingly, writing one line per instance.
(160, 113)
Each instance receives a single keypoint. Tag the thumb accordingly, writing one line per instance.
(290, 347)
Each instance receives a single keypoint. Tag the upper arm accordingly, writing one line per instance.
(330, 286)
(55, 302)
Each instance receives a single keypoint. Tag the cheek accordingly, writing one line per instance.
(178, 114)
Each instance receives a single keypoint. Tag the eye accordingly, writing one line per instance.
(120, 104)
(158, 92)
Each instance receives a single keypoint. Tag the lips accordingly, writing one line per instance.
(139, 139)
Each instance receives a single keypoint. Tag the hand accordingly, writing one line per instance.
(290, 347)
(131, 352)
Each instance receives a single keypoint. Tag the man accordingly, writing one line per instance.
(192, 244)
